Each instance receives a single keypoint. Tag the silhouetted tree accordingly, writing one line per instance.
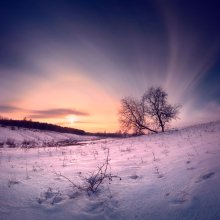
(157, 107)
(150, 113)
(132, 116)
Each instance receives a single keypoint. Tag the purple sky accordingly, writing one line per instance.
(62, 59)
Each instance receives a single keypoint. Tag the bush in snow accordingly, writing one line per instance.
(28, 144)
(92, 183)
(11, 143)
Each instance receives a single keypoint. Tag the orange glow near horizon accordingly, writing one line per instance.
(68, 91)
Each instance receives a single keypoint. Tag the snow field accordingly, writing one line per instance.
(173, 175)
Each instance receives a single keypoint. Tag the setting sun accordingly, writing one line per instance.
(71, 119)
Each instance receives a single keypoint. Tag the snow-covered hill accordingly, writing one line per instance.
(167, 176)
(11, 137)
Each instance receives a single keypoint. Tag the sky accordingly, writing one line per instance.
(71, 62)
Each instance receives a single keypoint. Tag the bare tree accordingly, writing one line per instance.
(132, 116)
(150, 113)
(157, 107)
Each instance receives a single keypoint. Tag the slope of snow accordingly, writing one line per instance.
(37, 137)
(170, 176)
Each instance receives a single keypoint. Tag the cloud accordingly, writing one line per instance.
(56, 112)
(8, 108)
(48, 113)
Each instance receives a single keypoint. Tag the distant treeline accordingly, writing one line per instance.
(51, 127)
(106, 135)
(40, 126)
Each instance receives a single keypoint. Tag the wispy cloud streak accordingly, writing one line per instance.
(9, 108)
(40, 114)
(53, 113)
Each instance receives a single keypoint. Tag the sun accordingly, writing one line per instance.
(71, 119)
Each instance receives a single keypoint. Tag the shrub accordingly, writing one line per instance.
(11, 143)
(92, 183)
(28, 144)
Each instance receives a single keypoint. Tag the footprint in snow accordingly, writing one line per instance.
(99, 207)
(180, 198)
(57, 199)
(190, 168)
(205, 177)
(134, 177)
(50, 196)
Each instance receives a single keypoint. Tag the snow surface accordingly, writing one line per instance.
(166, 176)
(37, 137)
